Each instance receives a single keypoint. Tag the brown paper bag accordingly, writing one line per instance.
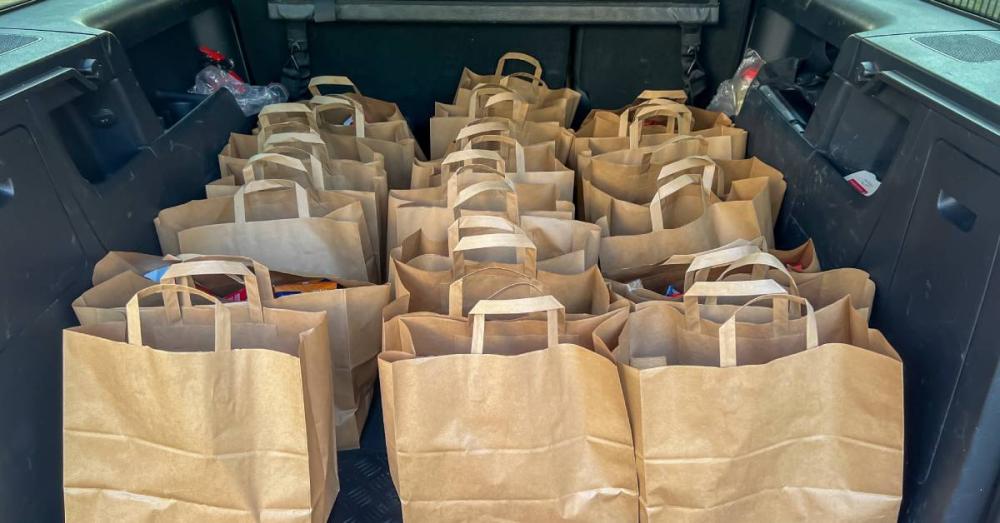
(451, 125)
(562, 246)
(821, 289)
(117, 262)
(618, 217)
(323, 235)
(658, 276)
(613, 123)
(741, 422)
(584, 294)
(545, 168)
(353, 313)
(526, 133)
(737, 218)
(748, 262)
(534, 191)
(313, 179)
(653, 123)
(469, 398)
(424, 278)
(199, 414)
(631, 174)
(375, 110)
(427, 276)
(353, 318)
(392, 139)
(365, 172)
(237, 150)
(800, 259)
(546, 112)
(266, 166)
(568, 246)
(557, 105)
(449, 120)
(432, 210)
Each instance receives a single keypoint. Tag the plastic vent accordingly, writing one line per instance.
(964, 47)
(9, 42)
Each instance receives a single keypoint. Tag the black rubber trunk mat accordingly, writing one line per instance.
(366, 491)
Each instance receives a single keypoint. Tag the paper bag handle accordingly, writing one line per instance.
(260, 271)
(467, 156)
(523, 245)
(665, 191)
(519, 57)
(699, 267)
(535, 84)
(281, 128)
(519, 164)
(292, 109)
(315, 169)
(456, 291)
(133, 321)
(185, 270)
(476, 168)
(339, 81)
(740, 289)
(711, 173)
(555, 317)
(630, 123)
(519, 111)
(456, 201)
(670, 144)
(483, 128)
(478, 221)
(479, 91)
(727, 332)
(625, 117)
(336, 102)
(761, 263)
(260, 159)
(671, 95)
(679, 121)
(310, 138)
(239, 199)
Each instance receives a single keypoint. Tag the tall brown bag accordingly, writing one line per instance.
(199, 414)
(353, 311)
(790, 420)
(518, 420)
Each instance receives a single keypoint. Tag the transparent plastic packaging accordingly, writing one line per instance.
(251, 98)
(729, 98)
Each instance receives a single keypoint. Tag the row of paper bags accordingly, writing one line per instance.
(781, 416)
(794, 412)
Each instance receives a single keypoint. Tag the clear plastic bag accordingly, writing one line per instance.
(729, 98)
(251, 98)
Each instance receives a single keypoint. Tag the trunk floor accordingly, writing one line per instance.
(366, 491)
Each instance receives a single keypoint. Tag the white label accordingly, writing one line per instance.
(864, 182)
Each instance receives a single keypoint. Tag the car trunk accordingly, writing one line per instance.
(98, 134)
